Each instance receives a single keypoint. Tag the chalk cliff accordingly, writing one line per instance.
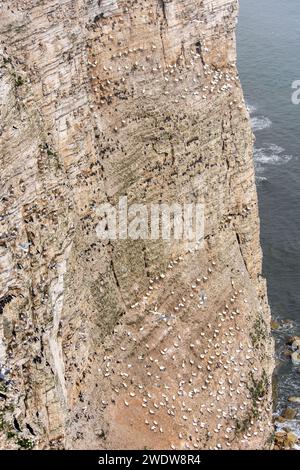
(108, 344)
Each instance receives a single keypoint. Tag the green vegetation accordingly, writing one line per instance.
(270, 440)
(257, 389)
(10, 433)
(25, 443)
(6, 60)
(19, 81)
(241, 426)
(46, 148)
(50, 152)
(2, 422)
(258, 334)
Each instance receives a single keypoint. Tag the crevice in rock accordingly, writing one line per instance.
(17, 425)
(4, 301)
(241, 251)
(162, 4)
(199, 51)
(30, 429)
(114, 274)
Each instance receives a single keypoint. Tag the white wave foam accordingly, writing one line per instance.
(276, 148)
(271, 155)
(260, 179)
(251, 108)
(259, 123)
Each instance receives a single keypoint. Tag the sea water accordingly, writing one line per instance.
(268, 44)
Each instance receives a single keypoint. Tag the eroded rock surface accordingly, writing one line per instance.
(132, 344)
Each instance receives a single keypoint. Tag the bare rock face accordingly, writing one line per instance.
(127, 344)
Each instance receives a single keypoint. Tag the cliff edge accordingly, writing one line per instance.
(128, 344)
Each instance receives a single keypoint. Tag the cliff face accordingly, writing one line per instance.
(105, 344)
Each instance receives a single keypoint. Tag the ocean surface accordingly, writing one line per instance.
(268, 42)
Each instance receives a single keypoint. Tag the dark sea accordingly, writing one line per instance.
(268, 43)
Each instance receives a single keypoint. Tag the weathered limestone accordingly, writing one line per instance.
(101, 99)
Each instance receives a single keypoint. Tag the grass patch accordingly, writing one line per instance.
(259, 388)
(25, 443)
(19, 81)
(259, 331)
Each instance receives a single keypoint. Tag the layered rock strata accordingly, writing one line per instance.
(127, 344)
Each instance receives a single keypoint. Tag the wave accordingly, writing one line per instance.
(251, 108)
(260, 179)
(270, 155)
(259, 123)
